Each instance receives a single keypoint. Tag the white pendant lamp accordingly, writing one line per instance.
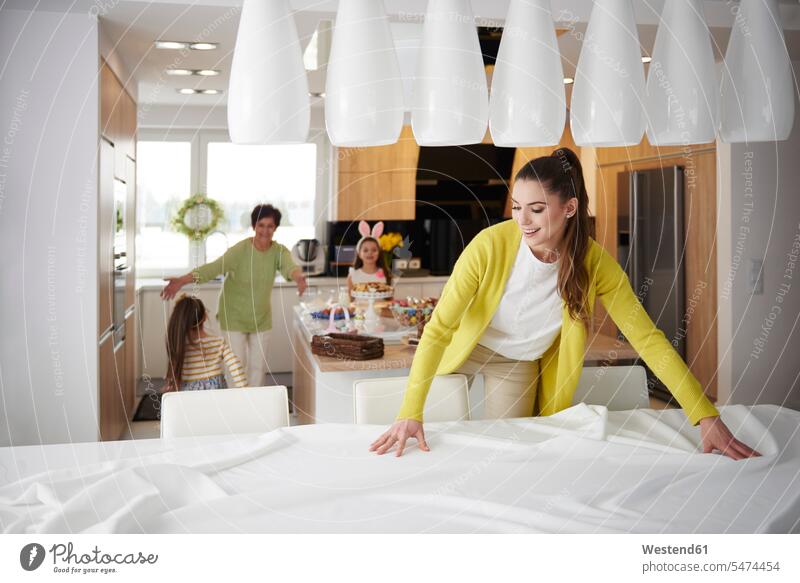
(528, 106)
(681, 84)
(451, 100)
(364, 88)
(608, 93)
(757, 97)
(268, 91)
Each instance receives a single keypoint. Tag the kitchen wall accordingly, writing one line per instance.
(759, 213)
(48, 220)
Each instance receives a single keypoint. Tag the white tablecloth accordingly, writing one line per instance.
(584, 470)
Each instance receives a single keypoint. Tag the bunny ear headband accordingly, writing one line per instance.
(363, 228)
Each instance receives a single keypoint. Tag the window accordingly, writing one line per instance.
(163, 175)
(240, 177)
(174, 164)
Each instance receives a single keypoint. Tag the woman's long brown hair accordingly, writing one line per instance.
(187, 316)
(561, 173)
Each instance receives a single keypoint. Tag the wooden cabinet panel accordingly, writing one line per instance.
(107, 376)
(378, 183)
(112, 374)
(129, 125)
(130, 233)
(105, 235)
(364, 195)
(406, 151)
(377, 195)
(130, 352)
(303, 380)
(110, 90)
(117, 119)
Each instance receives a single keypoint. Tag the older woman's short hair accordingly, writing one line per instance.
(263, 211)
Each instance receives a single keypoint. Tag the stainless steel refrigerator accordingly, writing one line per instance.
(650, 246)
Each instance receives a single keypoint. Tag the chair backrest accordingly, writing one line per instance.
(619, 388)
(377, 401)
(224, 411)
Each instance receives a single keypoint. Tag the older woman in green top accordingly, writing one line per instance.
(245, 311)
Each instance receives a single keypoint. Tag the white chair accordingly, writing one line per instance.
(377, 401)
(224, 411)
(619, 388)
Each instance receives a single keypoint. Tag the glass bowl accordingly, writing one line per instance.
(411, 315)
(313, 300)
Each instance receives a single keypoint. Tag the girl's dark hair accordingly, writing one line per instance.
(561, 173)
(382, 263)
(188, 315)
(263, 211)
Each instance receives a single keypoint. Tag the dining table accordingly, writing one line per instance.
(583, 470)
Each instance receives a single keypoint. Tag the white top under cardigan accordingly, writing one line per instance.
(528, 318)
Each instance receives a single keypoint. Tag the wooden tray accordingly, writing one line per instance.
(347, 346)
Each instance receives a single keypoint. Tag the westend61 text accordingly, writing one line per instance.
(670, 550)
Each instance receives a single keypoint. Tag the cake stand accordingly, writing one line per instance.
(371, 317)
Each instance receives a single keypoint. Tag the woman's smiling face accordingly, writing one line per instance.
(541, 217)
(265, 229)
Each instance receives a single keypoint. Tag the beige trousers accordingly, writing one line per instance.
(251, 348)
(510, 384)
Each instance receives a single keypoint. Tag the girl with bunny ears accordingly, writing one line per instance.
(369, 264)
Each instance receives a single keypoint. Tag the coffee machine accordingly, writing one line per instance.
(310, 256)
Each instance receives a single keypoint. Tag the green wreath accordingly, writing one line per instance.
(198, 216)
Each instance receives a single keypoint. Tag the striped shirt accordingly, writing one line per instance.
(204, 360)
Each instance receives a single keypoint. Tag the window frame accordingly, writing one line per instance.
(200, 139)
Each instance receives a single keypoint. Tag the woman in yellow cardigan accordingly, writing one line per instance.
(515, 309)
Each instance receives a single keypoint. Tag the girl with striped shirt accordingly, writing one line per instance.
(196, 357)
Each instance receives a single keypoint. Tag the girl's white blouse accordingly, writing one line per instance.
(358, 276)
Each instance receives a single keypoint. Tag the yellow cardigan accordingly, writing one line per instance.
(471, 297)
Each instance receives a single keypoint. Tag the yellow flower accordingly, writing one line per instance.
(389, 241)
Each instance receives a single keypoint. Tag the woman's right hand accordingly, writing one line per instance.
(174, 286)
(398, 433)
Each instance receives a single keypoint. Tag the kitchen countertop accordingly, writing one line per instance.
(155, 283)
(599, 347)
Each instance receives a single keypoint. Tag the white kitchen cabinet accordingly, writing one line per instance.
(402, 290)
(279, 350)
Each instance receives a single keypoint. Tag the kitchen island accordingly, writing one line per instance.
(322, 389)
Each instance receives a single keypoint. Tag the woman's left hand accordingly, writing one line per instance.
(300, 280)
(716, 436)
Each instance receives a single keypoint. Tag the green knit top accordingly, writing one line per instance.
(244, 302)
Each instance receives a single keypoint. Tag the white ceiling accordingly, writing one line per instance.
(131, 26)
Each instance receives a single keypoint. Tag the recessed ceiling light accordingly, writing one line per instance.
(170, 44)
(568, 80)
(211, 91)
(203, 46)
(180, 72)
(646, 59)
(207, 72)
(187, 91)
